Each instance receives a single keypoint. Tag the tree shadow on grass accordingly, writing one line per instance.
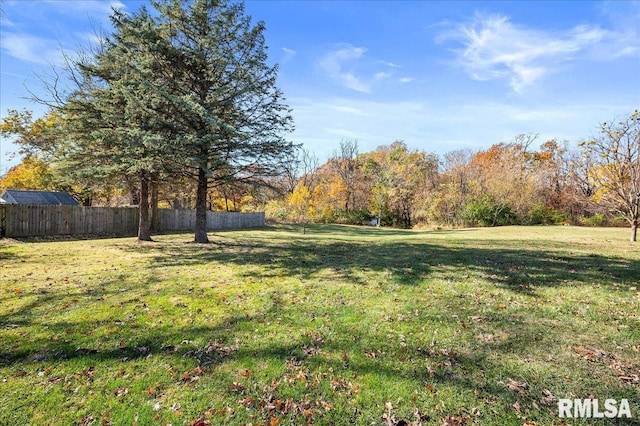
(406, 263)
(475, 369)
(320, 258)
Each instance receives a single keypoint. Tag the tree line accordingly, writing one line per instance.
(523, 181)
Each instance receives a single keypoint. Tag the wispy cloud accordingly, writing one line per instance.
(31, 49)
(495, 48)
(405, 80)
(347, 109)
(338, 65)
(440, 126)
(350, 67)
(287, 54)
(99, 7)
(5, 21)
(391, 64)
(382, 75)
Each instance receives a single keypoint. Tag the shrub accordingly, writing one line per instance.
(543, 215)
(598, 219)
(488, 212)
(275, 211)
(353, 217)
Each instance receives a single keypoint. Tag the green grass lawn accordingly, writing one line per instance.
(343, 325)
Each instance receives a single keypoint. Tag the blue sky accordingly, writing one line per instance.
(439, 75)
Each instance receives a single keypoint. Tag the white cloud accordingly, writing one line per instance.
(31, 49)
(287, 55)
(391, 64)
(495, 48)
(348, 110)
(337, 66)
(349, 66)
(382, 75)
(86, 6)
(405, 80)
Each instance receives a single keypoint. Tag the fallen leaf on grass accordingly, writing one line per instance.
(121, 391)
(310, 350)
(189, 378)
(45, 372)
(520, 387)
(547, 397)
(430, 371)
(516, 406)
(237, 387)
(633, 379)
(247, 402)
(274, 421)
(87, 420)
(455, 420)
(592, 355)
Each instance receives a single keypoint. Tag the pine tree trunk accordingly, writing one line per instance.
(201, 209)
(154, 207)
(144, 231)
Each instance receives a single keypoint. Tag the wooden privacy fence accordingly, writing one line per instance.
(35, 221)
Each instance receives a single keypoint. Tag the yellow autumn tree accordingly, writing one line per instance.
(300, 206)
(32, 173)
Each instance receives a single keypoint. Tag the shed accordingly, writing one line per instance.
(55, 198)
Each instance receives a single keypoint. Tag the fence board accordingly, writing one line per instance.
(34, 221)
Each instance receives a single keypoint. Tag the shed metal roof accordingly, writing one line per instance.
(15, 196)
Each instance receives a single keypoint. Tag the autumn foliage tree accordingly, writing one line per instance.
(31, 173)
(399, 178)
(615, 168)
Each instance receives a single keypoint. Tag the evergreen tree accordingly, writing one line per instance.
(114, 128)
(229, 115)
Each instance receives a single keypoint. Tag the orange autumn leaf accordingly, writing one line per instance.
(274, 421)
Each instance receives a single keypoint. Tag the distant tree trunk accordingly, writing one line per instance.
(154, 206)
(134, 196)
(201, 209)
(144, 231)
(634, 230)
